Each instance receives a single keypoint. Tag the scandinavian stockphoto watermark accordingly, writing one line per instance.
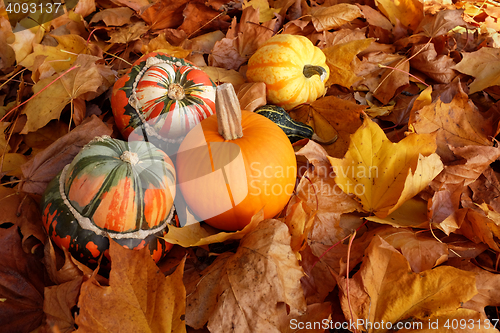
(363, 325)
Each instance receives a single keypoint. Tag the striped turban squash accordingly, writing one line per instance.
(161, 98)
(111, 188)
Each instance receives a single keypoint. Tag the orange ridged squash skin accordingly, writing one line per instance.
(268, 162)
(279, 63)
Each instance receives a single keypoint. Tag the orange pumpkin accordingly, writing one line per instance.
(235, 163)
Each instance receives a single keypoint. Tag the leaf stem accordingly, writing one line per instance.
(353, 235)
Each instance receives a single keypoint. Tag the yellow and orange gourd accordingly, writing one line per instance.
(293, 69)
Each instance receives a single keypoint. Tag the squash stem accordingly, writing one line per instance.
(310, 70)
(176, 91)
(130, 157)
(228, 112)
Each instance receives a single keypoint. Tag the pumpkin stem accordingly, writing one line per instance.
(310, 70)
(228, 112)
(175, 91)
(130, 157)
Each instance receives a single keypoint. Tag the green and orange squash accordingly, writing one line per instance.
(161, 98)
(235, 163)
(114, 189)
(293, 69)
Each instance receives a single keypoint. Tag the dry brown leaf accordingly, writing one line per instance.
(457, 124)
(299, 219)
(205, 43)
(85, 7)
(24, 41)
(162, 14)
(317, 282)
(384, 83)
(396, 294)
(225, 55)
(21, 210)
(441, 23)
(58, 304)
(308, 322)
(199, 17)
(484, 65)
(139, 297)
(341, 60)
(21, 284)
(479, 225)
(319, 191)
(330, 116)
(423, 252)
(445, 202)
(475, 160)
(375, 18)
(251, 95)
(333, 17)
(241, 41)
(59, 273)
(40, 170)
(134, 4)
(220, 294)
(487, 294)
(7, 54)
(437, 67)
(486, 189)
(127, 34)
(341, 36)
(113, 16)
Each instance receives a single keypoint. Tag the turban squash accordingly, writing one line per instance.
(161, 98)
(111, 188)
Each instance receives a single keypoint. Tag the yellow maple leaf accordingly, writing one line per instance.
(383, 175)
(340, 57)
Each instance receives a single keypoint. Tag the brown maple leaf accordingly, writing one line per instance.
(139, 297)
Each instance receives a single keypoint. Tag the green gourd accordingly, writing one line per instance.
(294, 130)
